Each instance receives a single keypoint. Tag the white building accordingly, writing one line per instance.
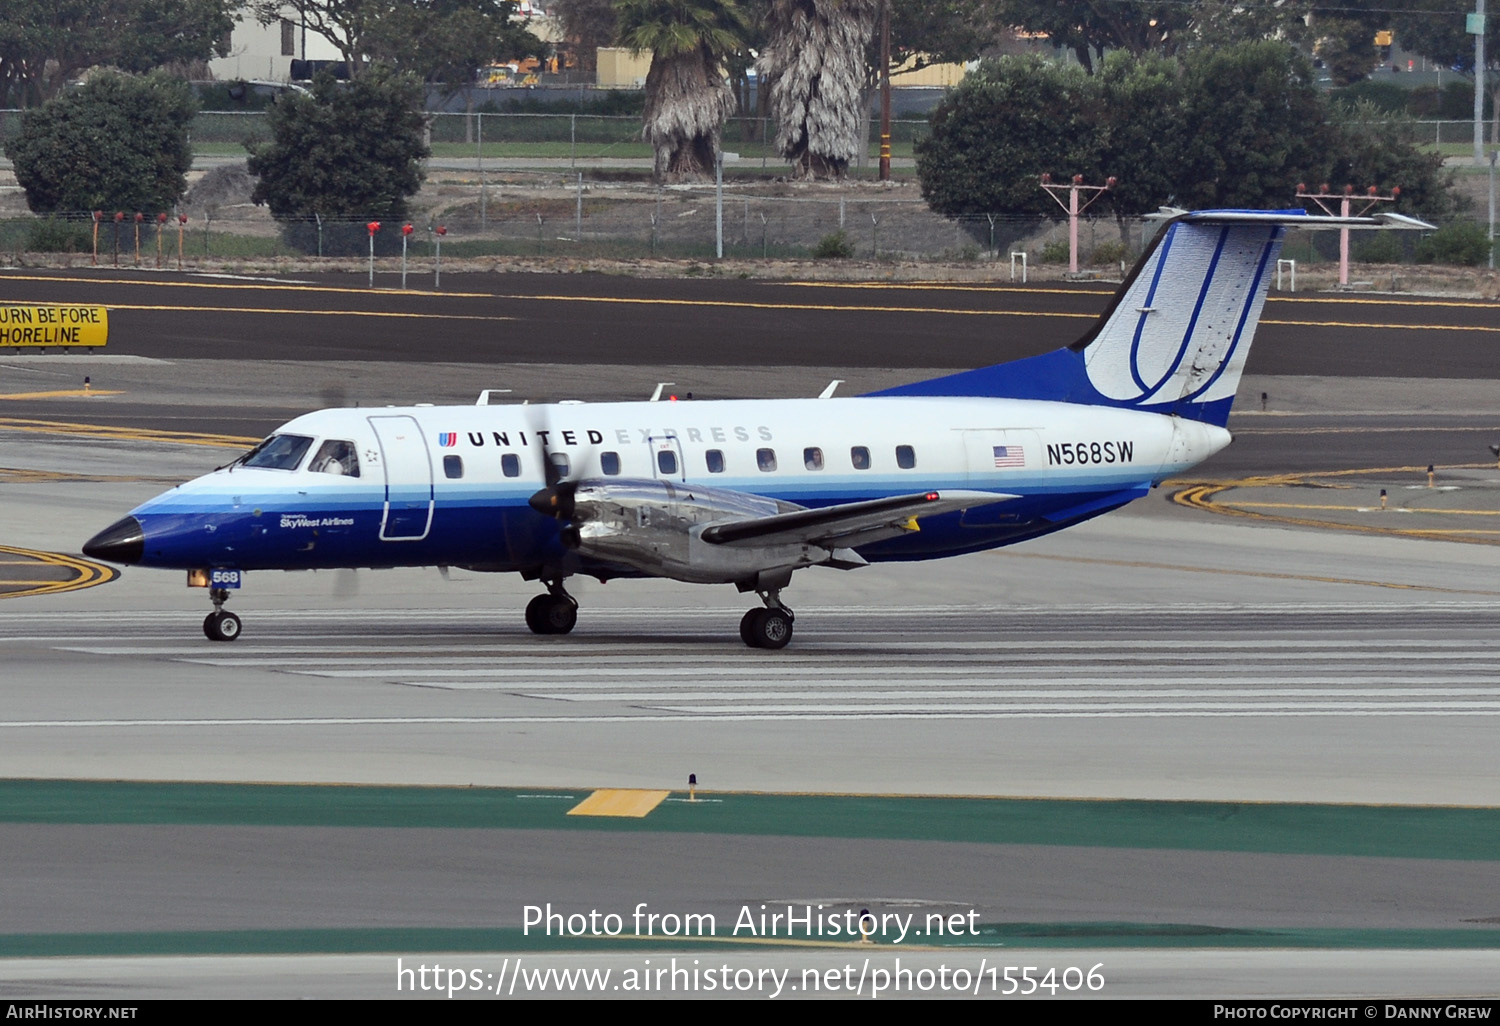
(264, 53)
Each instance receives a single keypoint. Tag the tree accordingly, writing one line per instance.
(1000, 129)
(44, 44)
(687, 97)
(346, 151)
(1238, 127)
(1255, 124)
(1435, 29)
(446, 40)
(586, 25)
(815, 65)
(117, 143)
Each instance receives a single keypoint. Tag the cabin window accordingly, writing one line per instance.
(609, 462)
(666, 462)
(906, 457)
(812, 458)
(453, 466)
(510, 465)
(860, 457)
(279, 452)
(560, 463)
(335, 456)
(715, 460)
(765, 459)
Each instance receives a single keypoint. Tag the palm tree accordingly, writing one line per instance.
(815, 63)
(687, 97)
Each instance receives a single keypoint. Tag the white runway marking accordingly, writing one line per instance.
(1148, 662)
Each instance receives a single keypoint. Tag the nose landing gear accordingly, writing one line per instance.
(221, 624)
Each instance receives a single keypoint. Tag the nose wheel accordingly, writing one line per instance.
(221, 624)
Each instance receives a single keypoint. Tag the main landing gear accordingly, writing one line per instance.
(768, 627)
(553, 613)
(221, 624)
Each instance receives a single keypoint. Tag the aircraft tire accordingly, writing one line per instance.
(561, 615)
(747, 627)
(536, 615)
(772, 628)
(223, 626)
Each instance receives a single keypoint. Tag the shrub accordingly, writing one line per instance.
(1459, 242)
(117, 143)
(834, 247)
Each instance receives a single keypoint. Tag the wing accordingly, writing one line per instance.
(847, 524)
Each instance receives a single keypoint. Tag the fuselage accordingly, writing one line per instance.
(427, 485)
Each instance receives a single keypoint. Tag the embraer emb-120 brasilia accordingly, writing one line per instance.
(746, 492)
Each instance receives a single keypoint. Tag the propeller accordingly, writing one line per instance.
(556, 500)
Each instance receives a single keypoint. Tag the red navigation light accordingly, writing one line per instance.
(932, 496)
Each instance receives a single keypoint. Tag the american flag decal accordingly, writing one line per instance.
(1009, 456)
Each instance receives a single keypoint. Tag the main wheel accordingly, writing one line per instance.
(222, 626)
(551, 614)
(747, 627)
(536, 614)
(561, 615)
(771, 628)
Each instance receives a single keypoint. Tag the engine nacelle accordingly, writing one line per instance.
(657, 526)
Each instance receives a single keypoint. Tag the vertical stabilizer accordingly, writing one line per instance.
(1176, 336)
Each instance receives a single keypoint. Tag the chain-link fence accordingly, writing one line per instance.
(584, 205)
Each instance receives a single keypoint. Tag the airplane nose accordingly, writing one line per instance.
(120, 542)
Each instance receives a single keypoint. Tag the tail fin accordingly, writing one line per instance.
(1176, 336)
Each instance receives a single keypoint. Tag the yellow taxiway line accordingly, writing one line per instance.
(88, 573)
(123, 434)
(70, 393)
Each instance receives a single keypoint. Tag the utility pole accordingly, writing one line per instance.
(885, 91)
(1346, 203)
(1073, 188)
(1475, 24)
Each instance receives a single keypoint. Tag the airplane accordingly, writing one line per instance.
(747, 492)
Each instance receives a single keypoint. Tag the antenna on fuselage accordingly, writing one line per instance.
(484, 397)
(661, 386)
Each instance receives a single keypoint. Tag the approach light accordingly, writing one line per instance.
(161, 218)
(373, 227)
(406, 229)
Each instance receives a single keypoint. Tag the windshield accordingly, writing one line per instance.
(279, 452)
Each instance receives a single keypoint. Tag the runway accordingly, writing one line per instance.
(1161, 654)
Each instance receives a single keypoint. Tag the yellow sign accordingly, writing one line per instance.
(53, 326)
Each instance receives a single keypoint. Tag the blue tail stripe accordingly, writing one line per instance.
(1251, 297)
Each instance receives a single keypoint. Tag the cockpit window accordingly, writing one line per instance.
(335, 457)
(279, 452)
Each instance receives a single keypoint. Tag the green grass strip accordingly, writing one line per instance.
(415, 941)
(1397, 831)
